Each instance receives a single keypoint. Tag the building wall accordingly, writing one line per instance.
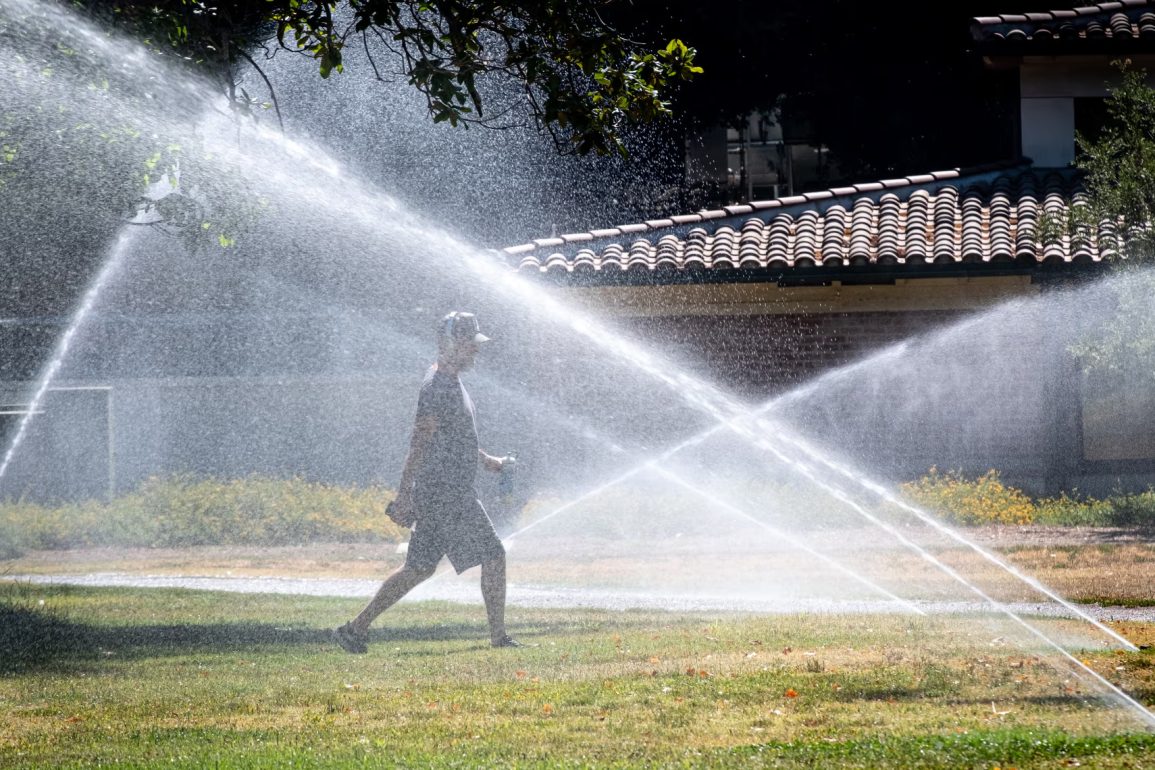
(764, 354)
(999, 393)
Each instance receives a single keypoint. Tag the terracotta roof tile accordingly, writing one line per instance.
(987, 215)
(1115, 24)
(631, 229)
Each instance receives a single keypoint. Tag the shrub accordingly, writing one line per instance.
(985, 500)
(186, 510)
(1066, 511)
(1134, 510)
(1118, 510)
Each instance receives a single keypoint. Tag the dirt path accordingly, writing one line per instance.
(1111, 568)
(357, 560)
(448, 587)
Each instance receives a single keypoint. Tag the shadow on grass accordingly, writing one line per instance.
(35, 639)
(915, 695)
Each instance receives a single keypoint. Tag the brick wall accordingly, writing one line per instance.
(1002, 397)
(762, 355)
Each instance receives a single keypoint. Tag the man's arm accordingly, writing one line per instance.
(423, 430)
(489, 462)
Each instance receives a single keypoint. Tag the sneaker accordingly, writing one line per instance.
(506, 641)
(350, 640)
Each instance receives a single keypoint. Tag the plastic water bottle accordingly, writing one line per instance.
(505, 479)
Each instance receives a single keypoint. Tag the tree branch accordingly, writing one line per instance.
(272, 93)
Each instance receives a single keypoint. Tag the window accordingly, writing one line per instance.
(1090, 117)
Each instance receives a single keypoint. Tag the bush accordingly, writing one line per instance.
(1118, 510)
(1135, 510)
(1065, 511)
(985, 500)
(186, 510)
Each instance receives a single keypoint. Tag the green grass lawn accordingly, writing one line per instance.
(195, 679)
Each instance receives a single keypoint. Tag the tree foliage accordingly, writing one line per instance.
(582, 78)
(1120, 171)
(1118, 163)
(1118, 210)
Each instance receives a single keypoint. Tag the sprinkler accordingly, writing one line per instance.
(505, 479)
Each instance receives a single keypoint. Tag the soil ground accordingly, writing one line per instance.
(1108, 566)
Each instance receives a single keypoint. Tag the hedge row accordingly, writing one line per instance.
(986, 500)
(185, 511)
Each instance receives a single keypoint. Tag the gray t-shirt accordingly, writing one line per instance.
(449, 466)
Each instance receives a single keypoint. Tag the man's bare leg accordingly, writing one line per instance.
(493, 592)
(395, 586)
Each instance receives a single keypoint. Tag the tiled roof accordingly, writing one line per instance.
(987, 215)
(1117, 24)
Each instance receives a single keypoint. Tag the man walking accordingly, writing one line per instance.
(436, 494)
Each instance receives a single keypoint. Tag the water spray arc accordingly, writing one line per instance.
(745, 423)
(795, 542)
(721, 407)
(1080, 667)
(112, 264)
(764, 428)
(887, 495)
(718, 405)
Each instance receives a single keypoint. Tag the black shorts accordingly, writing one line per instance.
(456, 527)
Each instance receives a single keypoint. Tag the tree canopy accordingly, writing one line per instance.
(582, 79)
(1119, 165)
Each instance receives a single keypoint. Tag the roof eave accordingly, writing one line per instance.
(996, 48)
(825, 275)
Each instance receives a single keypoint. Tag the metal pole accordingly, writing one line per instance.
(111, 446)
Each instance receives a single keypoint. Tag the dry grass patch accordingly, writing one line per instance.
(1121, 574)
(320, 560)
